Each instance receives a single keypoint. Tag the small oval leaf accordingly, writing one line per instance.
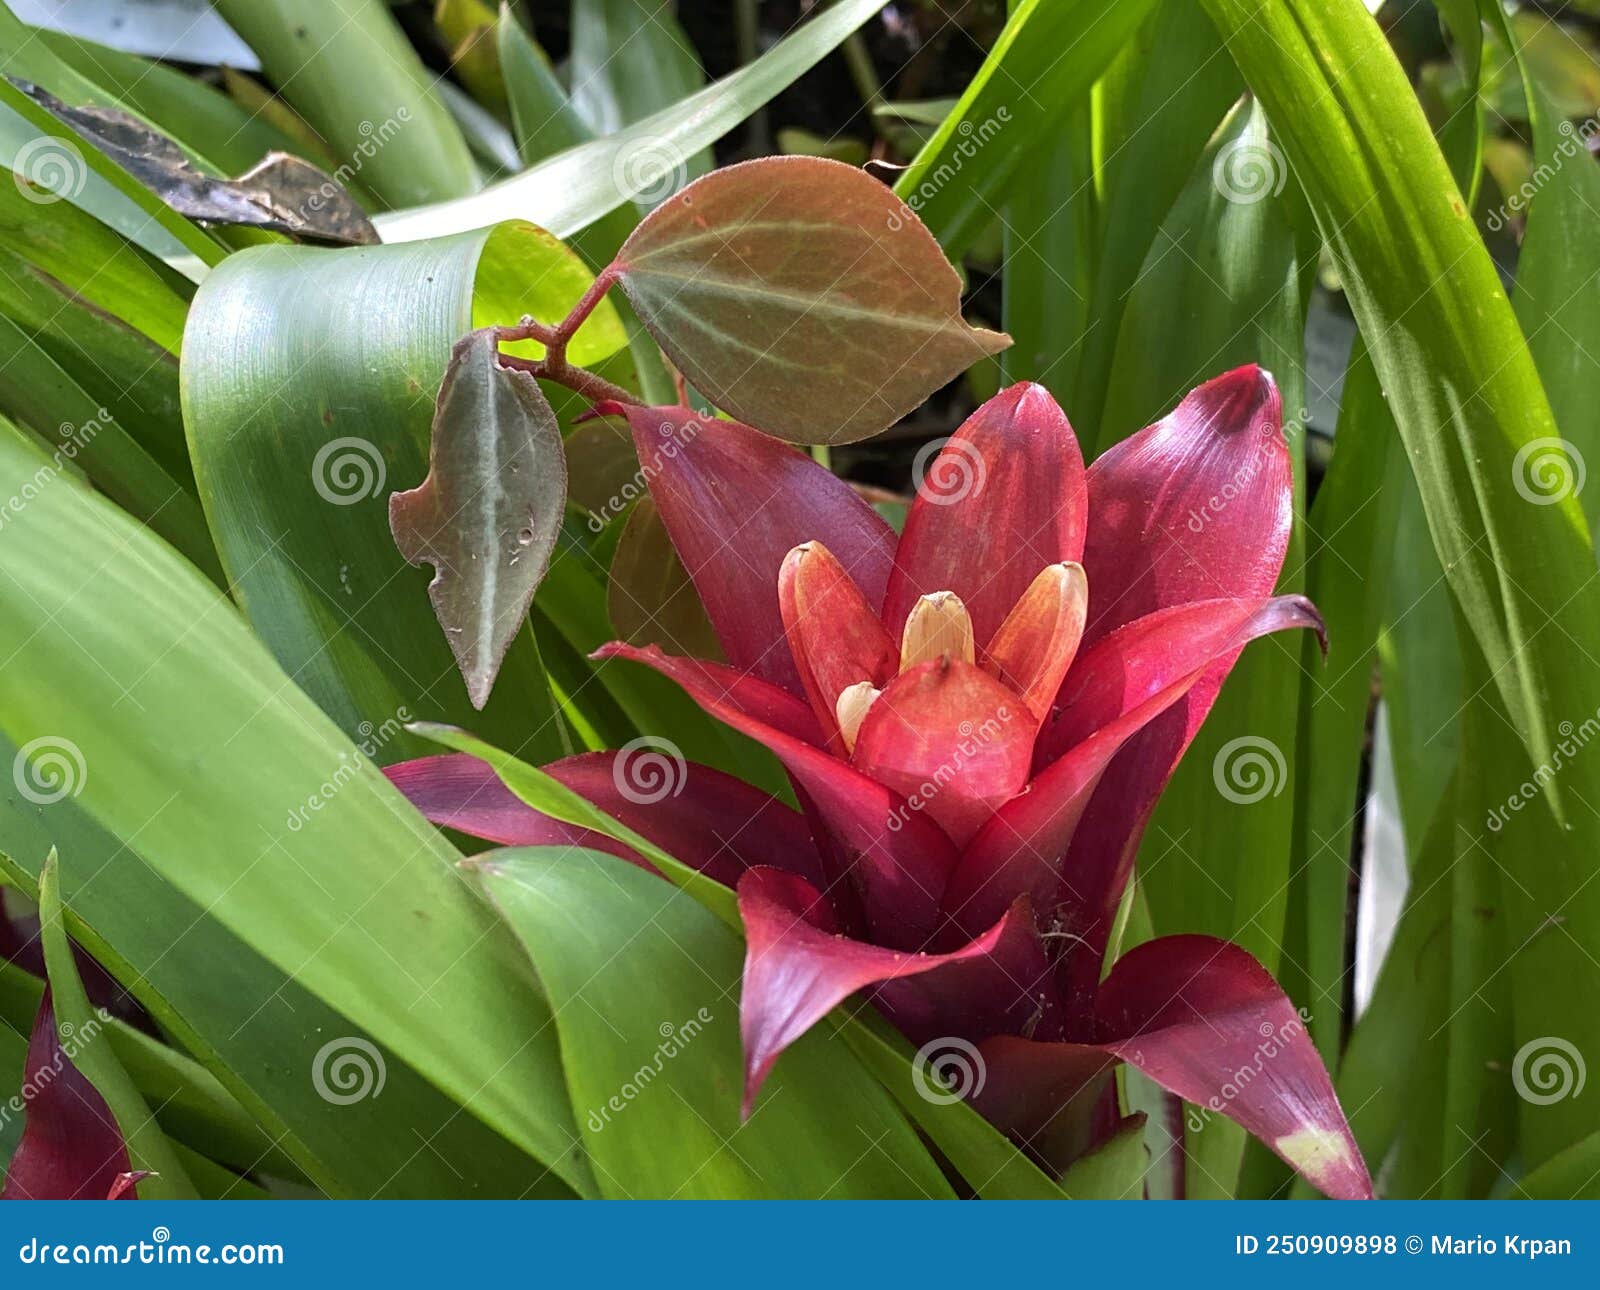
(801, 296)
(487, 516)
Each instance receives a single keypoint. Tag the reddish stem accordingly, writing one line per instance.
(587, 303)
(554, 366)
(577, 379)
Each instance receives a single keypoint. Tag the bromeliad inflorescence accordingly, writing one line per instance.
(977, 718)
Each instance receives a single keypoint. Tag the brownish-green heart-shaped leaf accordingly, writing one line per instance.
(487, 515)
(802, 296)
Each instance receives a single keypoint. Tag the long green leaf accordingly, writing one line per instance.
(347, 67)
(1177, 85)
(255, 1029)
(1573, 1174)
(1048, 55)
(645, 992)
(184, 739)
(1471, 410)
(308, 384)
(74, 432)
(630, 59)
(575, 188)
(1350, 550)
(82, 1033)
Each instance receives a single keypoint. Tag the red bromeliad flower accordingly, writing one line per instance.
(978, 719)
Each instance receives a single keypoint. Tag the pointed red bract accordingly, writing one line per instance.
(798, 968)
(833, 633)
(1035, 645)
(933, 690)
(1114, 691)
(1043, 1095)
(952, 740)
(711, 821)
(1004, 498)
(736, 503)
(1196, 507)
(71, 1147)
(894, 857)
(1140, 660)
(1206, 1021)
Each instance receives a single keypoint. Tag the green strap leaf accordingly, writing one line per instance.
(644, 985)
(1447, 348)
(1350, 547)
(75, 433)
(349, 70)
(1475, 420)
(575, 188)
(82, 1027)
(1045, 60)
(630, 59)
(122, 915)
(109, 636)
